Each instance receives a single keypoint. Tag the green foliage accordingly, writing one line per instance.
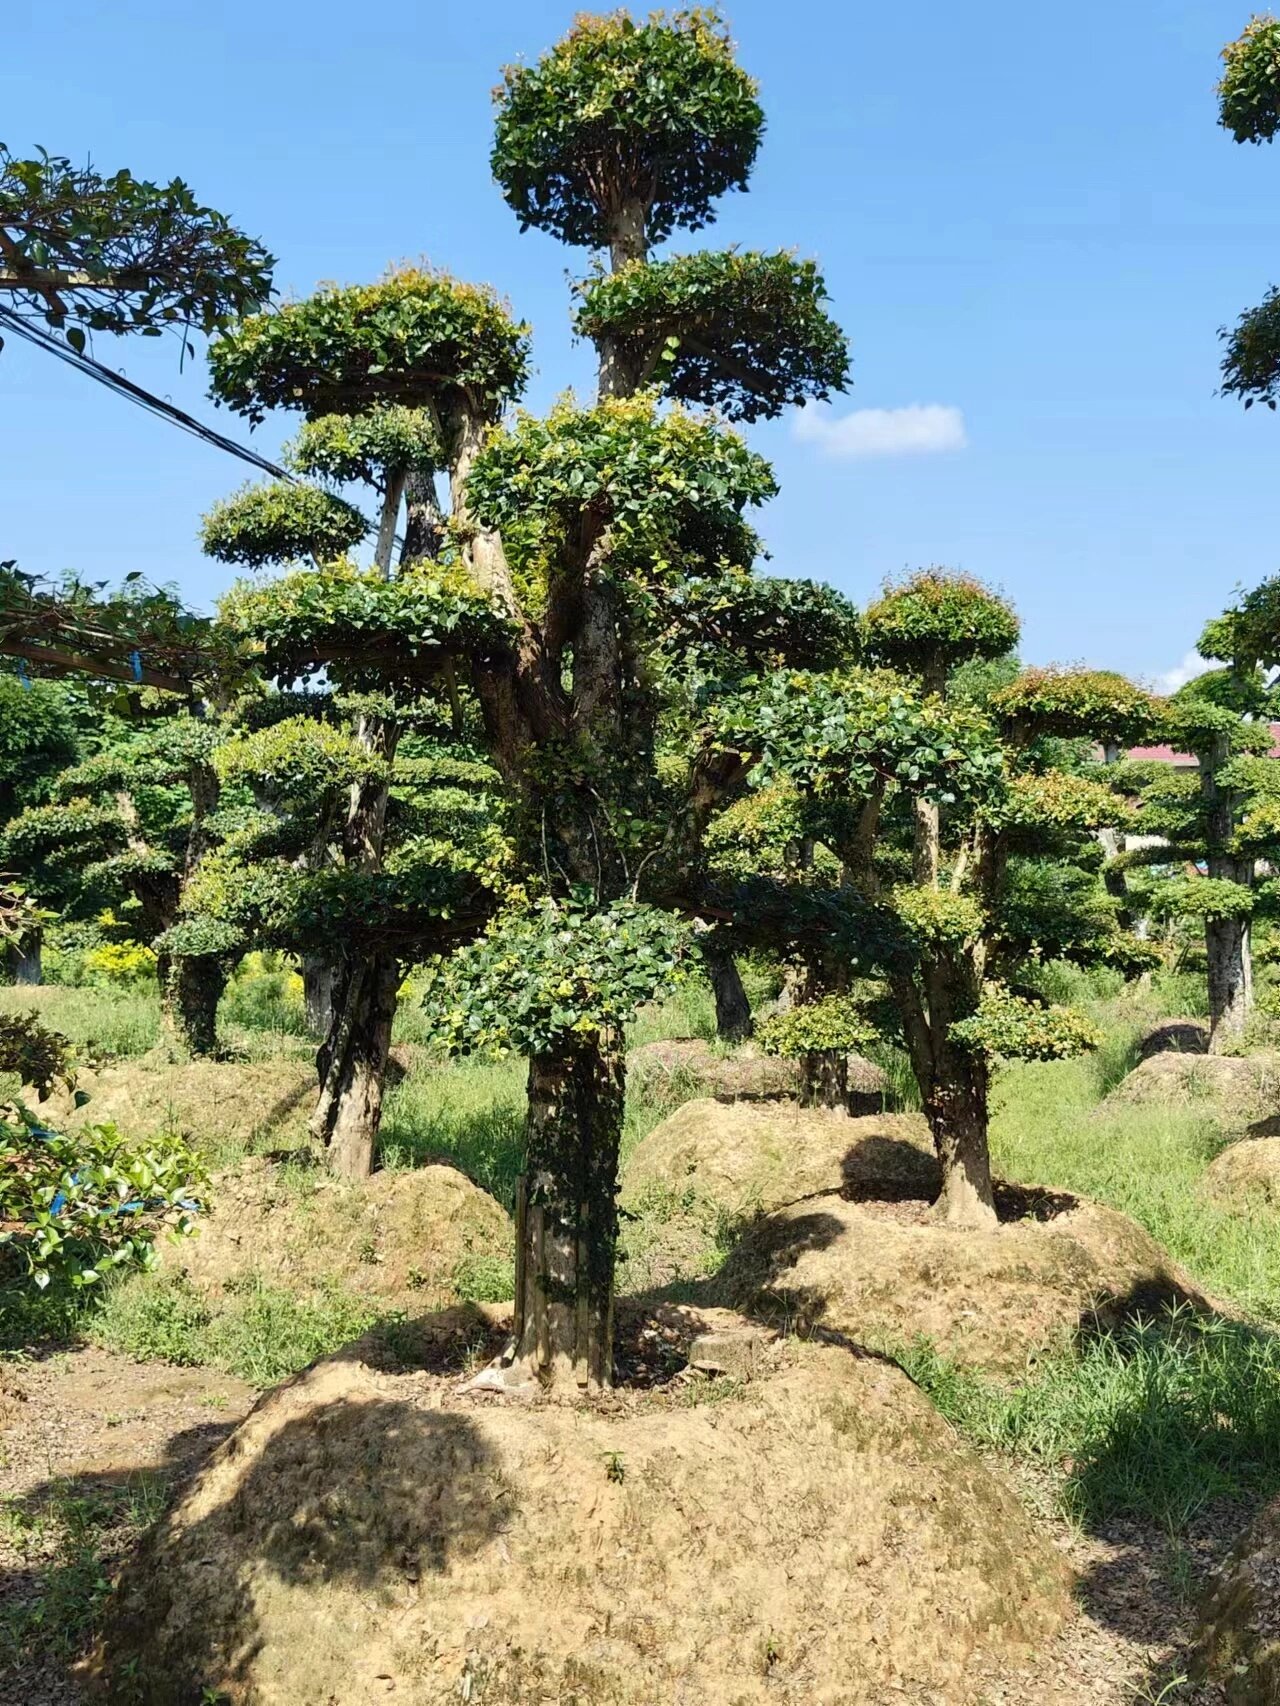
(1071, 703)
(72, 1208)
(553, 976)
(41, 728)
(1249, 93)
(299, 760)
(197, 936)
(1051, 909)
(739, 331)
(1152, 1420)
(124, 255)
(833, 1023)
(661, 482)
(361, 628)
(735, 622)
(388, 439)
(761, 834)
(279, 523)
(1010, 1027)
(118, 964)
(938, 619)
(1058, 800)
(656, 113)
(837, 736)
(1203, 897)
(1249, 633)
(32, 1052)
(1251, 364)
(44, 830)
(417, 339)
(938, 918)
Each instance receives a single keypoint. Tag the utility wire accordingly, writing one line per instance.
(123, 387)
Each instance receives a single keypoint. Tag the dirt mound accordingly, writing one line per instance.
(1235, 1086)
(1238, 1638)
(1175, 1036)
(219, 1105)
(882, 1273)
(749, 1159)
(689, 1066)
(815, 1534)
(1250, 1168)
(418, 1237)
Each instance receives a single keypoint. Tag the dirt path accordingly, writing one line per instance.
(91, 1445)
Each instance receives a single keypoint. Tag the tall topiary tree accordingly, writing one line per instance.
(963, 845)
(1249, 107)
(395, 381)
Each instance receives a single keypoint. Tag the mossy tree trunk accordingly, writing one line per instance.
(825, 1079)
(353, 1063)
(733, 1010)
(567, 1221)
(318, 974)
(26, 959)
(191, 987)
(1226, 940)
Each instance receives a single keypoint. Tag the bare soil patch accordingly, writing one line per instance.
(883, 1272)
(815, 1533)
(1247, 1169)
(1236, 1643)
(690, 1067)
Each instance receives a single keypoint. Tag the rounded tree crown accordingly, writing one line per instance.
(1251, 632)
(749, 333)
(1090, 704)
(280, 523)
(621, 114)
(1249, 93)
(417, 338)
(936, 618)
(388, 440)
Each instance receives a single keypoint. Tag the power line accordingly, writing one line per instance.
(145, 399)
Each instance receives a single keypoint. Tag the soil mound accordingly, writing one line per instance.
(218, 1105)
(1236, 1087)
(814, 1534)
(751, 1159)
(1250, 1168)
(882, 1273)
(1238, 1637)
(423, 1236)
(685, 1067)
(1175, 1036)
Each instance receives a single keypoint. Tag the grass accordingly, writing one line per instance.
(262, 1334)
(70, 1538)
(104, 1024)
(1153, 1420)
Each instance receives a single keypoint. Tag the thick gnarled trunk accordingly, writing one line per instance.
(353, 1062)
(191, 987)
(318, 974)
(733, 1010)
(1226, 942)
(825, 1080)
(26, 959)
(567, 1222)
(956, 1109)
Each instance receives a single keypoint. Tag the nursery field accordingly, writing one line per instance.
(1138, 1448)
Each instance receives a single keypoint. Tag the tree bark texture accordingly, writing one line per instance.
(318, 973)
(353, 1062)
(567, 1220)
(1226, 940)
(825, 1082)
(956, 1109)
(26, 959)
(191, 987)
(734, 1023)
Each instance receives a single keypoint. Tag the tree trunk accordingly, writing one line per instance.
(191, 987)
(26, 959)
(387, 521)
(567, 1222)
(1226, 942)
(956, 1109)
(733, 1010)
(352, 1064)
(317, 993)
(826, 1079)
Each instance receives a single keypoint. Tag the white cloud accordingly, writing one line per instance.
(916, 430)
(1170, 680)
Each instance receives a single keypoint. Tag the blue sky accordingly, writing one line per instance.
(1026, 216)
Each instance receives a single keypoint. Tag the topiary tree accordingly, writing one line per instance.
(1249, 107)
(963, 846)
(395, 380)
(1217, 826)
(88, 253)
(129, 826)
